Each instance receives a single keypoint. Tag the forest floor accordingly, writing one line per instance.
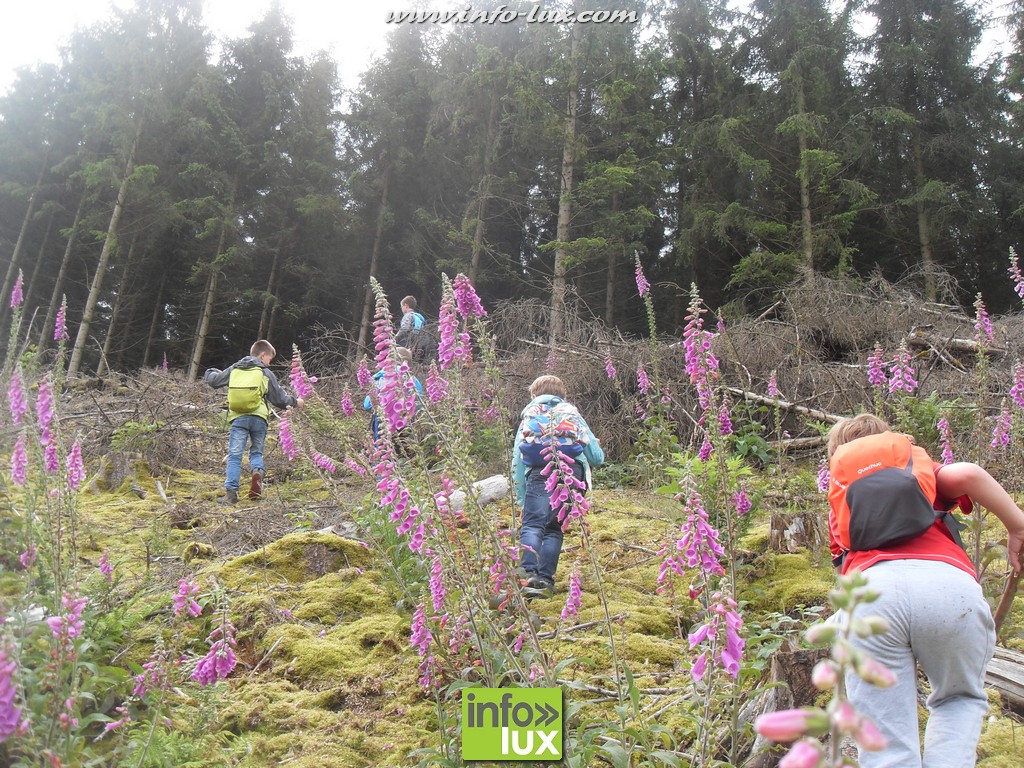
(326, 673)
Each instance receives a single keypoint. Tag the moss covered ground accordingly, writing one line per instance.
(327, 676)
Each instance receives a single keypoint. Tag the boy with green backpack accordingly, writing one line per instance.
(250, 386)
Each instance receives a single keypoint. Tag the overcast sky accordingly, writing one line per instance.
(31, 31)
(352, 31)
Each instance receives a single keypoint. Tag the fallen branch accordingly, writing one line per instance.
(801, 443)
(1006, 600)
(785, 405)
(585, 625)
(919, 339)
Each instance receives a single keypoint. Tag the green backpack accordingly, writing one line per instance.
(246, 388)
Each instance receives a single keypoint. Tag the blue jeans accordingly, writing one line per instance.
(245, 428)
(540, 537)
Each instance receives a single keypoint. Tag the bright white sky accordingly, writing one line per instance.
(353, 31)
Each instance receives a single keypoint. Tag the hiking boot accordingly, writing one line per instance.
(256, 486)
(230, 496)
(539, 586)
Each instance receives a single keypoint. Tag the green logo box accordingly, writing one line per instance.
(512, 724)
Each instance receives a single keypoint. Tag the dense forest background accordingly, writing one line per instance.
(188, 195)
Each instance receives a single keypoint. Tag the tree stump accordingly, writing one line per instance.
(788, 686)
(790, 531)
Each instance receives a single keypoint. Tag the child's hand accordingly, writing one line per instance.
(299, 402)
(1015, 549)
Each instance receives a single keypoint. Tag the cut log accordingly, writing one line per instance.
(1005, 673)
(485, 491)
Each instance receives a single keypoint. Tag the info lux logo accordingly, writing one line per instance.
(512, 724)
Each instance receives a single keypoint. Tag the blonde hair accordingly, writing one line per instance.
(547, 385)
(404, 354)
(847, 430)
(263, 347)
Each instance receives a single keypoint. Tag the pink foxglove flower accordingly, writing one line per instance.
(1017, 390)
(346, 404)
(437, 385)
(643, 383)
(284, 436)
(420, 637)
(824, 476)
(642, 286)
(876, 368)
(60, 326)
(76, 470)
(697, 547)
(68, 626)
(19, 463)
(1014, 270)
(901, 373)
(220, 660)
(28, 557)
(106, 567)
(946, 440)
(806, 753)
(773, 385)
(123, 720)
(16, 397)
(701, 363)
(302, 383)
(724, 420)
(790, 724)
(44, 406)
(466, 300)
(163, 366)
(567, 492)
(437, 590)
(1001, 433)
(323, 462)
(705, 451)
(10, 715)
(575, 597)
(184, 601)
(741, 501)
(609, 367)
(363, 375)
(982, 322)
(51, 459)
(868, 737)
(17, 294)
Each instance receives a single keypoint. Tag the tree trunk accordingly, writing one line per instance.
(270, 300)
(609, 285)
(157, 307)
(485, 190)
(931, 291)
(46, 336)
(108, 245)
(25, 221)
(122, 287)
(30, 286)
(378, 237)
(565, 192)
(806, 222)
(207, 313)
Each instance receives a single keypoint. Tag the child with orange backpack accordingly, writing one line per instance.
(889, 517)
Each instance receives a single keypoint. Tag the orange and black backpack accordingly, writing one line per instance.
(882, 493)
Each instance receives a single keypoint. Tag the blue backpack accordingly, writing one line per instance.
(555, 422)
